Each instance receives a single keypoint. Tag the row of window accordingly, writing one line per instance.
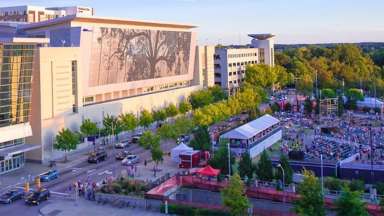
(11, 143)
(241, 55)
(241, 63)
(236, 73)
(236, 81)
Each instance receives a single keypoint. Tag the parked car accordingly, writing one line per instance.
(48, 176)
(130, 160)
(135, 139)
(121, 144)
(96, 157)
(11, 196)
(36, 197)
(121, 155)
(183, 139)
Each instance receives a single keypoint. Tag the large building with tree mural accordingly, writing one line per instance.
(95, 66)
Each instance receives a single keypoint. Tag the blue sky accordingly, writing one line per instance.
(229, 21)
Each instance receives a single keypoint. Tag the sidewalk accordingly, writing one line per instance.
(32, 169)
(84, 207)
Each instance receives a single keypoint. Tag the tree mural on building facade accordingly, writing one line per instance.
(123, 55)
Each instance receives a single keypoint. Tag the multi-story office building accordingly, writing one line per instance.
(97, 66)
(32, 14)
(16, 66)
(230, 62)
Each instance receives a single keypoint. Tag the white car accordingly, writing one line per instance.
(130, 160)
(121, 144)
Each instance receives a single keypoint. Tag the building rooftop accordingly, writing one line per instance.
(103, 20)
(24, 40)
(252, 128)
(261, 36)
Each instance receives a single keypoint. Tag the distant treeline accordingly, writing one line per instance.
(336, 65)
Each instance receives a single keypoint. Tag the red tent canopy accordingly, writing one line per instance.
(208, 171)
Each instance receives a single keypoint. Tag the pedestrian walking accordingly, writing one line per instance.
(145, 163)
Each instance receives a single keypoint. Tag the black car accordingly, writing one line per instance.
(135, 139)
(96, 157)
(36, 197)
(121, 155)
(11, 196)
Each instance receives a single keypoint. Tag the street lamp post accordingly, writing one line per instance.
(282, 169)
(229, 160)
(322, 174)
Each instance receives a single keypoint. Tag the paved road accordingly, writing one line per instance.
(83, 171)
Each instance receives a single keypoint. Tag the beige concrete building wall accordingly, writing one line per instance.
(95, 112)
(204, 66)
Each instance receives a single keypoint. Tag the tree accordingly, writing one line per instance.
(146, 118)
(328, 93)
(159, 115)
(171, 110)
(311, 201)
(88, 128)
(128, 121)
(201, 139)
(184, 107)
(112, 125)
(234, 197)
(353, 96)
(350, 203)
(148, 139)
(66, 141)
(157, 156)
(246, 166)
(183, 125)
(220, 158)
(200, 98)
(167, 131)
(357, 185)
(264, 168)
(288, 171)
(218, 93)
(333, 184)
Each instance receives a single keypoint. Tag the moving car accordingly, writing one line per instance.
(48, 176)
(11, 196)
(121, 155)
(96, 157)
(121, 144)
(130, 160)
(36, 197)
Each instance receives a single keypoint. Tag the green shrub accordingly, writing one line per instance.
(357, 185)
(380, 188)
(332, 183)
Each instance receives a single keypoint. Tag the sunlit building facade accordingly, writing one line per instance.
(16, 66)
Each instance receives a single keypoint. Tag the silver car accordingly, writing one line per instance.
(121, 144)
(130, 160)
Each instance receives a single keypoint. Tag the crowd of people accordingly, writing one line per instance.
(335, 138)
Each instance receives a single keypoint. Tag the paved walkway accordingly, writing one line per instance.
(83, 207)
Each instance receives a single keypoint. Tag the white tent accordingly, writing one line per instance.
(175, 152)
(252, 128)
